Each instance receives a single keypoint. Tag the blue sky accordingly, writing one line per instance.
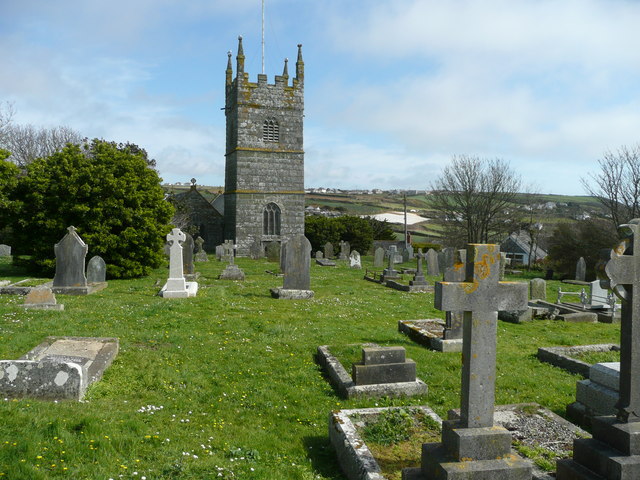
(393, 88)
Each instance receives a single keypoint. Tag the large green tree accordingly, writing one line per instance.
(8, 180)
(108, 191)
(355, 230)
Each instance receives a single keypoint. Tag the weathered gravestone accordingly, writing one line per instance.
(319, 255)
(273, 251)
(70, 254)
(328, 250)
(418, 278)
(41, 298)
(345, 250)
(256, 250)
(433, 268)
(188, 268)
(614, 450)
(231, 271)
(5, 250)
(383, 365)
(354, 259)
(449, 257)
(537, 289)
(219, 252)
(96, 270)
(201, 255)
(409, 252)
(378, 257)
(177, 286)
(473, 447)
(297, 277)
(405, 255)
(390, 272)
(60, 368)
(70, 275)
(504, 261)
(581, 269)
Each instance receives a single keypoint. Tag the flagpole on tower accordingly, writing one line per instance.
(263, 37)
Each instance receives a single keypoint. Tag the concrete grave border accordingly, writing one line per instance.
(354, 457)
(561, 356)
(414, 330)
(346, 388)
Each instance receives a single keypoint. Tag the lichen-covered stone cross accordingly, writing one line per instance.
(480, 297)
(622, 273)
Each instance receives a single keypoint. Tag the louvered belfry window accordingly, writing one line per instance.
(271, 130)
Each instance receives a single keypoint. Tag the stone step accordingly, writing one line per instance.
(570, 470)
(606, 461)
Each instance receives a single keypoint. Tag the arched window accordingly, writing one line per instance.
(271, 219)
(271, 130)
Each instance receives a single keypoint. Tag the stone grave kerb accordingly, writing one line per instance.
(480, 297)
(70, 253)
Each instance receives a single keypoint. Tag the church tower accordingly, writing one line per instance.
(264, 171)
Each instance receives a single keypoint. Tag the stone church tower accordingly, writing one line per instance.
(264, 171)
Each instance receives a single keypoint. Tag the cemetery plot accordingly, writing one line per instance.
(378, 443)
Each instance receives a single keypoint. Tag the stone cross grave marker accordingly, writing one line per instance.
(177, 286)
(432, 262)
(354, 259)
(187, 255)
(390, 272)
(378, 258)
(473, 444)
(418, 278)
(581, 269)
(328, 250)
(201, 255)
(70, 254)
(228, 247)
(614, 451)
(455, 273)
(96, 270)
(480, 297)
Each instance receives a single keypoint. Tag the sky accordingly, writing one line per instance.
(393, 88)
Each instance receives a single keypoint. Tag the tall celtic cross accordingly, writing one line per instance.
(228, 250)
(175, 238)
(480, 296)
(622, 272)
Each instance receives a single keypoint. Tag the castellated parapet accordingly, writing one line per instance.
(264, 173)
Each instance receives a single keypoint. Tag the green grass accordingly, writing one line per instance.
(599, 357)
(226, 383)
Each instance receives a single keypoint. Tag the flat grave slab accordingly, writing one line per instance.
(325, 262)
(346, 387)
(408, 288)
(60, 368)
(531, 425)
(429, 332)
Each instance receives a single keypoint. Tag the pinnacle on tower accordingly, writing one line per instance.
(229, 70)
(285, 72)
(240, 57)
(300, 65)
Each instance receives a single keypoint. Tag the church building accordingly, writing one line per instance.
(264, 169)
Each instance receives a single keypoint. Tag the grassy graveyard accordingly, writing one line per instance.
(224, 385)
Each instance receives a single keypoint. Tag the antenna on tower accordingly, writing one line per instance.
(263, 37)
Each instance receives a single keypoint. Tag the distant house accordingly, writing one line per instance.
(517, 246)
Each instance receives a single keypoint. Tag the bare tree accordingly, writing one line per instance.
(617, 185)
(7, 112)
(473, 196)
(27, 142)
